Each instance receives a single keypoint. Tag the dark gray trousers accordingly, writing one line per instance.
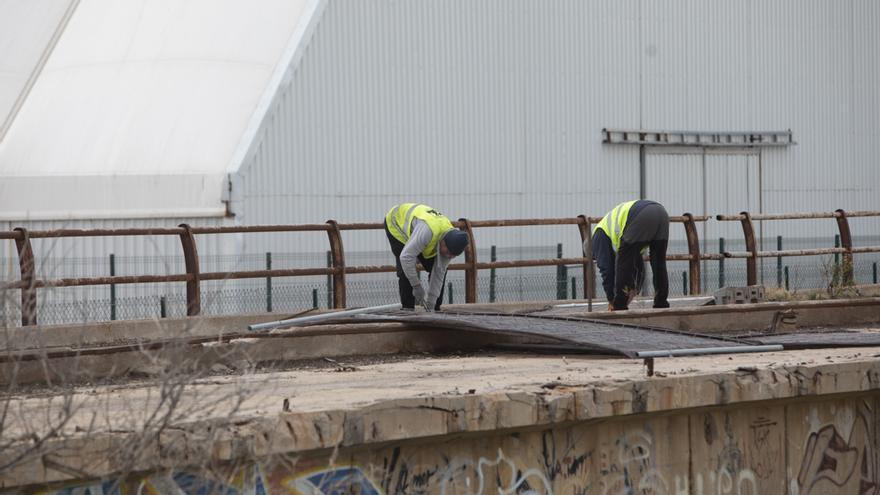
(649, 228)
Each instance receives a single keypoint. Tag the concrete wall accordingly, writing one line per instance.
(799, 448)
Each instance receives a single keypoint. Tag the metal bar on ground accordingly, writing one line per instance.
(709, 350)
(695, 299)
(326, 316)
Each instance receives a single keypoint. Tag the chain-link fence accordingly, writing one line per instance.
(289, 295)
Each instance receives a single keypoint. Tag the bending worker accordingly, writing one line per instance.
(419, 232)
(618, 243)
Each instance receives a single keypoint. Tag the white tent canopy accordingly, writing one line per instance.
(134, 108)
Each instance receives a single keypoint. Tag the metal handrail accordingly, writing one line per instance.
(752, 253)
(338, 269)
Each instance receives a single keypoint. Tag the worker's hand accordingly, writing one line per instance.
(419, 294)
(428, 306)
(610, 308)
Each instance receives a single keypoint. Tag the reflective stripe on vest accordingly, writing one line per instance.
(399, 220)
(614, 222)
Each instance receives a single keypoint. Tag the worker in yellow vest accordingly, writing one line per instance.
(419, 232)
(619, 240)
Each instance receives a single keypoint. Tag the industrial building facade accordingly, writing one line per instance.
(221, 113)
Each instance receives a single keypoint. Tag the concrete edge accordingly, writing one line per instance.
(297, 432)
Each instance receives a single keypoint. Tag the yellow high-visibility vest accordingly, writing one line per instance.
(614, 222)
(399, 220)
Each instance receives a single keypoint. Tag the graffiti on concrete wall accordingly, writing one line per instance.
(338, 480)
(836, 462)
(738, 457)
(500, 475)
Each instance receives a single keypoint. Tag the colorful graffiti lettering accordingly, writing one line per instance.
(246, 481)
(348, 480)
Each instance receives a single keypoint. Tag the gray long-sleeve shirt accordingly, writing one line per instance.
(419, 239)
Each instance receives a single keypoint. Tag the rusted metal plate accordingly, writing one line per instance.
(598, 336)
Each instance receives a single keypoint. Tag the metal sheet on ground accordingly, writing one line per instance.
(604, 337)
(817, 340)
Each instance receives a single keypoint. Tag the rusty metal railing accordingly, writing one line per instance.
(752, 253)
(29, 284)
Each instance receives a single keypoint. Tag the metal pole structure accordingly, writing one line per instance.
(846, 277)
(786, 278)
(27, 265)
(721, 263)
(268, 283)
(779, 262)
(561, 293)
(751, 247)
(470, 261)
(493, 256)
(112, 288)
(191, 260)
(587, 242)
(710, 350)
(291, 322)
(329, 280)
(574, 288)
(684, 283)
(693, 240)
(450, 293)
(338, 260)
(163, 311)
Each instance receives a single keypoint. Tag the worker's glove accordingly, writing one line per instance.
(419, 294)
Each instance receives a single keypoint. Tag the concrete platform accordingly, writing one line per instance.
(476, 422)
(750, 420)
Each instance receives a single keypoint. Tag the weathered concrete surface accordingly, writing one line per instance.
(90, 355)
(81, 365)
(580, 425)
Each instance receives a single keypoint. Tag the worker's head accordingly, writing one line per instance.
(453, 243)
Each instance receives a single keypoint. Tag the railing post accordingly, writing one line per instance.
(561, 276)
(28, 275)
(587, 242)
(693, 240)
(338, 255)
(470, 259)
(779, 262)
(112, 287)
(752, 247)
(493, 256)
(846, 242)
(329, 264)
(268, 283)
(721, 263)
(191, 260)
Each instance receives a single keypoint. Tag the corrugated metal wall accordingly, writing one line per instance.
(481, 109)
(493, 109)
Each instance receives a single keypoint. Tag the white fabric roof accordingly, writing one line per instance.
(141, 104)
